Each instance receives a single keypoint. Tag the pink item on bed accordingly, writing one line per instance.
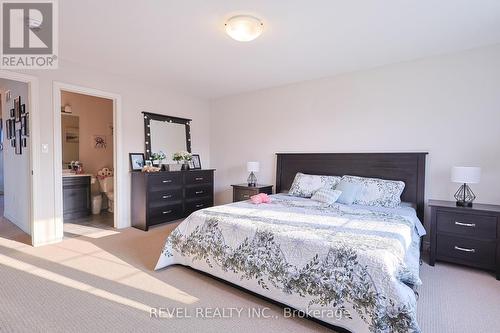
(260, 198)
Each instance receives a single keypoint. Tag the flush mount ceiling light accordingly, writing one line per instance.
(244, 28)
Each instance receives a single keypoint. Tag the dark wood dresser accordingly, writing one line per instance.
(466, 235)
(76, 197)
(244, 192)
(169, 195)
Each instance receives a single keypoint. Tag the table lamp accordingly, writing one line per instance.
(465, 176)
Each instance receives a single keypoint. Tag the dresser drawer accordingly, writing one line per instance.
(199, 177)
(479, 253)
(165, 213)
(199, 191)
(467, 225)
(194, 205)
(164, 180)
(163, 197)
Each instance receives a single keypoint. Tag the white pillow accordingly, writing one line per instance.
(377, 192)
(305, 185)
(326, 195)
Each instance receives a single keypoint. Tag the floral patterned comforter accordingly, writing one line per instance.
(352, 267)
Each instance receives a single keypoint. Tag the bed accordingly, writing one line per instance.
(350, 266)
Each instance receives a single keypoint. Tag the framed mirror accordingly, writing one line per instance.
(166, 134)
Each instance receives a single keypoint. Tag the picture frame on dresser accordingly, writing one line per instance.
(195, 163)
(136, 161)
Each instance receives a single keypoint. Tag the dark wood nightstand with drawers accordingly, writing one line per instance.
(244, 192)
(465, 235)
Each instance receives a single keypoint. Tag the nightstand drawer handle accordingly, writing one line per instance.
(470, 225)
(463, 249)
(198, 192)
(199, 205)
(198, 178)
(166, 212)
(166, 181)
(167, 196)
(246, 196)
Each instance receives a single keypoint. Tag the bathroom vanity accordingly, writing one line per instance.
(76, 196)
(166, 196)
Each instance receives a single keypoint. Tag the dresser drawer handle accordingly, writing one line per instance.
(166, 212)
(199, 205)
(463, 249)
(198, 192)
(167, 181)
(198, 178)
(469, 225)
(167, 196)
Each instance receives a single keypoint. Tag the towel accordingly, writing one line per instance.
(260, 198)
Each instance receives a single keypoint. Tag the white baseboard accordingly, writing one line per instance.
(17, 223)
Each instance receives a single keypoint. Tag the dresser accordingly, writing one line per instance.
(244, 192)
(466, 235)
(167, 196)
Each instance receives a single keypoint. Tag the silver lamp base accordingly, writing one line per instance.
(252, 180)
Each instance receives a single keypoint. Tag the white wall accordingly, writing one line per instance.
(448, 106)
(16, 168)
(136, 97)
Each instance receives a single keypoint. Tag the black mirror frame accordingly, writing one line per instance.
(160, 117)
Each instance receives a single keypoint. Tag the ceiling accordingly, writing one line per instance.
(182, 43)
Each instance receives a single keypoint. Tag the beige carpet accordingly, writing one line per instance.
(100, 280)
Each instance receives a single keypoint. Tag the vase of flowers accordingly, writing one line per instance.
(157, 158)
(183, 157)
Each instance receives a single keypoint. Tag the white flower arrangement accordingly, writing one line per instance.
(182, 156)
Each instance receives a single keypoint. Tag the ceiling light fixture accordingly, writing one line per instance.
(244, 28)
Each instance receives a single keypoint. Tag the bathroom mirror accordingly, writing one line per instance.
(166, 134)
(70, 133)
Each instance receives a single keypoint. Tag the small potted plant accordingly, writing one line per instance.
(184, 157)
(158, 158)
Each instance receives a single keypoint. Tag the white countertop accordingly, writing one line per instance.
(77, 175)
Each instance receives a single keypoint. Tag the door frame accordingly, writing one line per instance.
(119, 171)
(34, 155)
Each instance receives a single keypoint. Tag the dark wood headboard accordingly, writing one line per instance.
(407, 167)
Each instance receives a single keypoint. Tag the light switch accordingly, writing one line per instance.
(45, 148)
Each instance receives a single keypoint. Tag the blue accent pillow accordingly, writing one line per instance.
(349, 191)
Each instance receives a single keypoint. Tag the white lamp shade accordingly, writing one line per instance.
(466, 175)
(253, 166)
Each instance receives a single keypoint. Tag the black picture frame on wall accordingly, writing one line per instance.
(19, 142)
(17, 108)
(25, 125)
(136, 161)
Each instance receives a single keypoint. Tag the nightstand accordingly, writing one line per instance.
(244, 192)
(465, 235)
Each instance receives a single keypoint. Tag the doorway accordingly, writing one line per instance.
(74, 109)
(87, 161)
